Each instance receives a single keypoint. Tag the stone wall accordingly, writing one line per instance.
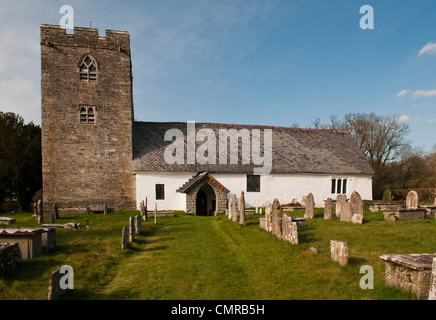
(10, 257)
(85, 164)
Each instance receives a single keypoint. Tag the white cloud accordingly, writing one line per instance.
(428, 48)
(403, 118)
(424, 93)
(402, 93)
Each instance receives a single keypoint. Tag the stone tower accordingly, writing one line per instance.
(87, 119)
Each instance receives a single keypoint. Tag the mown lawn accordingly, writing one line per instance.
(209, 258)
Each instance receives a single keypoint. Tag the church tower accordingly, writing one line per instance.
(87, 119)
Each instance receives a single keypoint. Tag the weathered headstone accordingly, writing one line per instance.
(356, 208)
(328, 209)
(124, 237)
(56, 211)
(358, 218)
(138, 226)
(289, 229)
(268, 216)
(412, 200)
(276, 220)
(40, 212)
(234, 211)
(340, 200)
(432, 291)
(131, 229)
(356, 203)
(310, 204)
(143, 210)
(54, 287)
(242, 209)
(87, 223)
(105, 209)
(339, 252)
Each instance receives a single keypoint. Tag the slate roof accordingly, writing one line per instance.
(197, 179)
(294, 150)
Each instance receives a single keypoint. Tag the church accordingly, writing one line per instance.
(94, 153)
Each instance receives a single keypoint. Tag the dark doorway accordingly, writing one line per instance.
(201, 203)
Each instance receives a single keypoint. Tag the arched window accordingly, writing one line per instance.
(87, 115)
(88, 69)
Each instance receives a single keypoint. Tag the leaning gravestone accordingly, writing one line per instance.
(310, 204)
(276, 220)
(412, 200)
(242, 209)
(328, 209)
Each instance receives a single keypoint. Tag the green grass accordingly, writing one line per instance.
(191, 257)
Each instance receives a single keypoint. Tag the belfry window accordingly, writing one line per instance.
(88, 69)
(87, 115)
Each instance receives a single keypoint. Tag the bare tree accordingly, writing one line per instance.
(379, 137)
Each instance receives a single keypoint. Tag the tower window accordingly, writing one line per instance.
(87, 115)
(253, 183)
(88, 69)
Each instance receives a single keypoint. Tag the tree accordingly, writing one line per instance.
(379, 137)
(20, 158)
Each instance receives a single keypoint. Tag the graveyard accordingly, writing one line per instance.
(227, 256)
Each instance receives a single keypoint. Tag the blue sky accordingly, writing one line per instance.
(247, 62)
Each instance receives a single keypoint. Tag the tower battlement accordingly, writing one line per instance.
(54, 36)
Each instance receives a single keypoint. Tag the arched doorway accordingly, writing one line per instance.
(206, 201)
(201, 203)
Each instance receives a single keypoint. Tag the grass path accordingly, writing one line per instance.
(191, 257)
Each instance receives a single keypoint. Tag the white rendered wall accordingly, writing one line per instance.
(285, 187)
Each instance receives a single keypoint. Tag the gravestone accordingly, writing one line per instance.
(310, 204)
(230, 210)
(87, 223)
(56, 211)
(412, 200)
(40, 212)
(276, 220)
(10, 257)
(339, 252)
(234, 211)
(138, 226)
(268, 216)
(242, 209)
(328, 209)
(124, 237)
(131, 229)
(155, 213)
(432, 291)
(143, 210)
(105, 209)
(54, 288)
(340, 200)
(289, 229)
(356, 208)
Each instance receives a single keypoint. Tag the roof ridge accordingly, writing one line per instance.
(244, 125)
